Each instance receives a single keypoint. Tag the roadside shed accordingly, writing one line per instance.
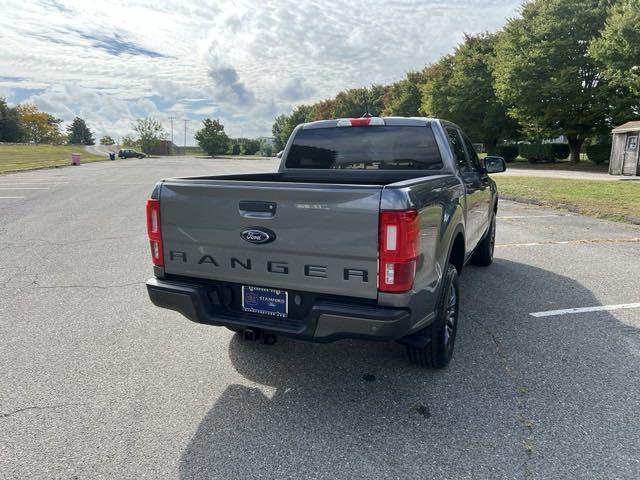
(625, 150)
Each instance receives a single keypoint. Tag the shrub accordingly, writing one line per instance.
(544, 152)
(560, 151)
(508, 152)
(599, 153)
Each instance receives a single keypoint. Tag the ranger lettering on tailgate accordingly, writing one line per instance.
(281, 268)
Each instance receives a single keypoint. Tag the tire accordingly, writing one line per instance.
(140, 156)
(442, 332)
(483, 255)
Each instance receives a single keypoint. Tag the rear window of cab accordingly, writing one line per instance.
(369, 147)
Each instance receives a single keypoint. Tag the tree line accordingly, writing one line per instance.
(562, 68)
(213, 140)
(24, 123)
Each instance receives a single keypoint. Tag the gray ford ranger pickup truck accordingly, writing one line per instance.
(361, 233)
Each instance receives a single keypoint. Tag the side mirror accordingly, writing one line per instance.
(279, 154)
(494, 164)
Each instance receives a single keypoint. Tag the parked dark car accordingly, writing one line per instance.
(128, 153)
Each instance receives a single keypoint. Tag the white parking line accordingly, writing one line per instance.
(509, 217)
(567, 242)
(599, 308)
(10, 197)
(24, 188)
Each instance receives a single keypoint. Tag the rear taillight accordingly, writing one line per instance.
(153, 229)
(399, 245)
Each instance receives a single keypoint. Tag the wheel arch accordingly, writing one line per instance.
(457, 251)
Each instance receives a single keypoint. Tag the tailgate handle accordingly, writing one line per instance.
(253, 209)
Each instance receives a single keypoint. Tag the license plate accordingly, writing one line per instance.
(265, 301)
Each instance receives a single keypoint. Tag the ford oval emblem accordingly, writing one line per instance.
(258, 235)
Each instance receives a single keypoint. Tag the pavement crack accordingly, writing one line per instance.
(33, 282)
(39, 407)
(521, 391)
(18, 271)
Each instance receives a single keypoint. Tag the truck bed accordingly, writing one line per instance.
(335, 177)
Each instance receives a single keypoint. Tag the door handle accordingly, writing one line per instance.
(254, 209)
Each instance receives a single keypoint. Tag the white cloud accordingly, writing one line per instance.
(241, 61)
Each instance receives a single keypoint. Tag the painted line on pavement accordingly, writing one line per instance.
(6, 179)
(570, 242)
(599, 308)
(510, 217)
(10, 197)
(24, 188)
(8, 184)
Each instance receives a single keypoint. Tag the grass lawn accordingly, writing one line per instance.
(619, 201)
(582, 166)
(585, 165)
(192, 151)
(26, 157)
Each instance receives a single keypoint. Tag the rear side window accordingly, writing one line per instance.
(458, 149)
(372, 147)
(473, 156)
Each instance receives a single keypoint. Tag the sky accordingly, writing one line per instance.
(240, 61)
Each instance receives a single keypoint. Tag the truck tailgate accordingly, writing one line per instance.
(326, 236)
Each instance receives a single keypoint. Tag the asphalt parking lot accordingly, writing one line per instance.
(96, 382)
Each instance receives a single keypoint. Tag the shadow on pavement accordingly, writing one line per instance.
(524, 396)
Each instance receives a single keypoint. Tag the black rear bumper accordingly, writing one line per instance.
(326, 320)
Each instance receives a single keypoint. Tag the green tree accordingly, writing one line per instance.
(356, 101)
(462, 91)
(278, 129)
(39, 127)
(150, 133)
(250, 146)
(323, 110)
(617, 52)
(435, 90)
(211, 137)
(11, 129)
(235, 148)
(544, 73)
(402, 99)
(266, 149)
(301, 114)
(79, 134)
(107, 140)
(129, 141)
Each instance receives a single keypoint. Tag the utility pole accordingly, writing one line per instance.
(185, 135)
(171, 119)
